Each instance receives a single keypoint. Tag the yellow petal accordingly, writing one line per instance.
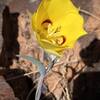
(55, 19)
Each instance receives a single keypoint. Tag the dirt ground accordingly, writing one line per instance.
(66, 80)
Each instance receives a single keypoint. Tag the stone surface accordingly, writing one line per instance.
(29, 47)
(6, 92)
(0, 31)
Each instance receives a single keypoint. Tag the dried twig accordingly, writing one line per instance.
(68, 93)
(54, 87)
(90, 14)
(31, 91)
(19, 76)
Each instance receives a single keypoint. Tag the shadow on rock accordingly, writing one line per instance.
(87, 86)
(91, 54)
(23, 85)
(10, 46)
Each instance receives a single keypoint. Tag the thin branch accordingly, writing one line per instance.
(19, 76)
(53, 89)
(89, 13)
(31, 91)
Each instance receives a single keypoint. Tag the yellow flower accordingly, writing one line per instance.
(57, 24)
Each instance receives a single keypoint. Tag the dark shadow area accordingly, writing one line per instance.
(10, 46)
(43, 97)
(87, 86)
(22, 85)
(91, 54)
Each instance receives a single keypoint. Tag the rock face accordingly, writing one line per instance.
(2, 6)
(1, 9)
(6, 92)
(0, 31)
(8, 42)
(10, 46)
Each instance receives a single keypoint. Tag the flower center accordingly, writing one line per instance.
(46, 23)
(60, 40)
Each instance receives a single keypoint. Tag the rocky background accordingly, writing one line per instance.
(75, 77)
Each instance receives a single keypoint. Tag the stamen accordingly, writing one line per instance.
(60, 40)
(46, 23)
